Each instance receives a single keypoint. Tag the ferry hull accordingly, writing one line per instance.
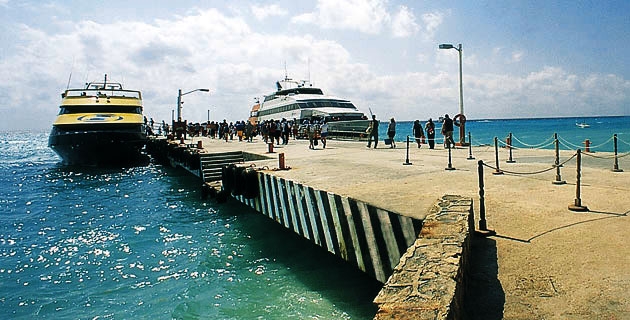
(98, 147)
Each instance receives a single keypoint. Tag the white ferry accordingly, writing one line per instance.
(299, 100)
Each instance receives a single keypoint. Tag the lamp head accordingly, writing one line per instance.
(446, 46)
(204, 90)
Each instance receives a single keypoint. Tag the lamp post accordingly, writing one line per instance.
(179, 101)
(462, 129)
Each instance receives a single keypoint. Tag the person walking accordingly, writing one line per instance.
(373, 132)
(391, 132)
(324, 133)
(447, 131)
(430, 129)
(418, 133)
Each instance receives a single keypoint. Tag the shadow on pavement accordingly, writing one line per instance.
(484, 298)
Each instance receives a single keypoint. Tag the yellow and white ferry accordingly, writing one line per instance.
(100, 124)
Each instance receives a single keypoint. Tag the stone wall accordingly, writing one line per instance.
(429, 280)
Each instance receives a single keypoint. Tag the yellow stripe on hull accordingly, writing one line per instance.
(98, 118)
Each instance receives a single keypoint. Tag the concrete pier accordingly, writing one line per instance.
(524, 265)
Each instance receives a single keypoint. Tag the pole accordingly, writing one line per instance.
(470, 156)
(557, 162)
(577, 204)
(510, 160)
(616, 166)
(482, 202)
(208, 116)
(450, 165)
(172, 115)
(462, 128)
(483, 225)
(179, 106)
(407, 163)
(496, 156)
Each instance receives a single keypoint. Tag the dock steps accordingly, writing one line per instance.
(211, 163)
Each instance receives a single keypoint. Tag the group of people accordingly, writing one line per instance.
(418, 132)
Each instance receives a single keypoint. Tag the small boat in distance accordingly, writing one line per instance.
(99, 124)
(582, 125)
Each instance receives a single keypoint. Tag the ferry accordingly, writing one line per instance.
(99, 124)
(299, 100)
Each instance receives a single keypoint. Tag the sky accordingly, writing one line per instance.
(520, 58)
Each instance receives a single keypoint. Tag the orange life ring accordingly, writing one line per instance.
(459, 119)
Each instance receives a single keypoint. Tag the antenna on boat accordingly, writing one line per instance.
(286, 74)
(70, 77)
(309, 70)
(105, 82)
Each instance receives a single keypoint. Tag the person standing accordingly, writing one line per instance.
(373, 132)
(418, 133)
(430, 128)
(324, 133)
(447, 131)
(391, 132)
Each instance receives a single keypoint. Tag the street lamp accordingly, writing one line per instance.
(462, 129)
(179, 101)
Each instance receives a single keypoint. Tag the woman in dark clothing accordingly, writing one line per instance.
(430, 128)
(418, 133)
(391, 132)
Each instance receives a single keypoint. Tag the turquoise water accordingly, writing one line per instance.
(89, 243)
(536, 131)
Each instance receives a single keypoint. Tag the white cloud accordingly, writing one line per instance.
(211, 49)
(262, 12)
(517, 56)
(432, 21)
(368, 16)
(404, 23)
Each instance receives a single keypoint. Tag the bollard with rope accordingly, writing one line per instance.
(557, 162)
(577, 204)
(407, 163)
(509, 146)
(450, 165)
(497, 170)
(483, 225)
(470, 156)
(616, 165)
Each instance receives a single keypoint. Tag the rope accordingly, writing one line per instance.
(534, 146)
(591, 146)
(572, 146)
(619, 139)
(534, 172)
(514, 147)
(598, 157)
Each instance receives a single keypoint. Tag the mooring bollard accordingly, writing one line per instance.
(557, 162)
(270, 149)
(616, 166)
(450, 165)
(406, 163)
(509, 146)
(496, 156)
(483, 225)
(199, 145)
(281, 161)
(577, 204)
(587, 145)
(470, 156)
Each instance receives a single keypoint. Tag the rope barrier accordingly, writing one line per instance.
(534, 172)
(619, 139)
(533, 146)
(519, 148)
(579, 147)
(571, 145)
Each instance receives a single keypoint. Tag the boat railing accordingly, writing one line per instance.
(101, 93)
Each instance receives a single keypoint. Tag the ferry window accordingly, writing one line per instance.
(99, 109)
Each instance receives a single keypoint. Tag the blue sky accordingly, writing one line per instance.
(521, 58)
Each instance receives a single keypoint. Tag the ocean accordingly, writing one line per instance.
(106, 243)
(116, 243)
(535, 133)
